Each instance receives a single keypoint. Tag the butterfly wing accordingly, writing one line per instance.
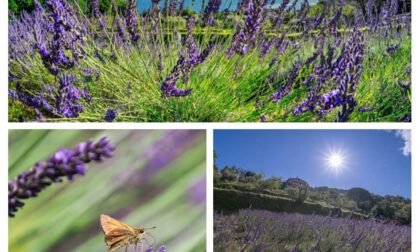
(109, 224)
(116, 232)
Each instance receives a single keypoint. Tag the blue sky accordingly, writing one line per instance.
(379, 161)
(196, 5)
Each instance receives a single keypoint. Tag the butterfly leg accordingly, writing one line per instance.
(126, 247)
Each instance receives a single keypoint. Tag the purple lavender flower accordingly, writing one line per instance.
(168, 86)
(91, 74)
(95, 8)
(211, 8)
(266, 46)
(110, 115)
(162, 248)
(347, 72)
(131, 20)
(278, 17)
(64, 101)
(63, 163)
(197, 191)
(392, 49)
(185, 65)
(68, 36)
(37, 102)
(385, 16)
(245, 37)
(371, 12)
(394, 7)
(286, 88)
(120, 29)
(68, 98)
(170, 7)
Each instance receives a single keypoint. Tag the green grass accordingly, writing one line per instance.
(65, 216)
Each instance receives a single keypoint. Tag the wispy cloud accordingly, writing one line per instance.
(405, 135)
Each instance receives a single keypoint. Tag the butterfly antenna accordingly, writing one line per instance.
(149, 228)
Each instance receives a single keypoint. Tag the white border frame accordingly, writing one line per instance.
(5, 126)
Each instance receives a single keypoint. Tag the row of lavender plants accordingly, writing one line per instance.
(63, 62)
(258, 230)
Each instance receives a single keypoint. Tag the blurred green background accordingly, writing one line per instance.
(156, 178)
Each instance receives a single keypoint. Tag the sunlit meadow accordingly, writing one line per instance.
(260, 61)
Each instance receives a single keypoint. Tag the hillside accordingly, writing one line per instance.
(231, 200)
(237, 189)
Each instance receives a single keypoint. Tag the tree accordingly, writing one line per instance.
(272, 183)
(229, 174)
(363, 198)
(247, 176)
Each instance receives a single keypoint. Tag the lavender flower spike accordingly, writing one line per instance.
(131, 20)
(95, 8)
(211, 8)
(63, 163)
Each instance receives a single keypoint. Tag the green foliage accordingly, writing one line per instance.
(393, 207)
(175, 21)
(362, 197)
(231, 200)
(349, 12)
(189, 12)
(272, 183)
(356, 200)
(16, 6)
(316, 10)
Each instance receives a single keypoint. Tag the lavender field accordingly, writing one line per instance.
(259, 60)
(258, 230)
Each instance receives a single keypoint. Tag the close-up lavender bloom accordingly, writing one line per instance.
(63, 163)
(120, 175)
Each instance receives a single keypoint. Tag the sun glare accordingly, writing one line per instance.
(335, 160)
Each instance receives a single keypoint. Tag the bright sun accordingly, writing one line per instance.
(336, 161)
